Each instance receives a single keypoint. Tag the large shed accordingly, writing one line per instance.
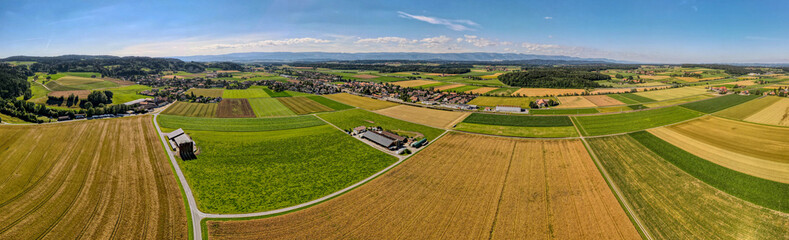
(378, 139)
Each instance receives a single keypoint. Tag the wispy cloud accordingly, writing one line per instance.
(454, 24)
(383, 40)
(266, 43)
(548, 18)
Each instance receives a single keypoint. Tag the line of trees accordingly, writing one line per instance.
(441, 68)
(553, 78)
(107, 65)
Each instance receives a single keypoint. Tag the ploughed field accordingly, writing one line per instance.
(462, 186)
(191, 109)
(98, 179)
(234, 108)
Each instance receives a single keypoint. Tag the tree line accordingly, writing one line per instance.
(553, 78)
(107, 65)
(441, 68)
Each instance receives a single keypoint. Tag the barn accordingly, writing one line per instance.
(180, 141)
(379, 139)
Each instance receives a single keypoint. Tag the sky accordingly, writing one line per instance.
(684, 31)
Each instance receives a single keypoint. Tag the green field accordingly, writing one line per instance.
(719, 103)
(206, 110)
(677, 101)
(633, 97)
(268, 107)
(747, 109)
(563, 111)
(753, 189)
(245, 93)
(623, 99)
(207, 92)
(272, 93)
(633, 121)
(330, 103)
(461, 88)
(518, 120)
(675, 205)
(244, 172)
(358, 117)
(536, 132)
(237, 124)
(10, 119)
(128, 93)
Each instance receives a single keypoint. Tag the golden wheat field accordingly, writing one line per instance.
(538, 92)
(603, 100)
(481, 90)
(448, 86)
(774, 114)
(359, 101)
(424, 116)
(463, 187)
(414, 83)
(97, 179)
(575, 102)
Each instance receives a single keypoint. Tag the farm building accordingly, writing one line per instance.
(359, 130)
(379, 139)
(505, 108)
(397, 138)
(183, 143)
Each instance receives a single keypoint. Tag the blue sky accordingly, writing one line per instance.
(651, 31)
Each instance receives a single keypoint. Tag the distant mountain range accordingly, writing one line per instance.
(413, 56)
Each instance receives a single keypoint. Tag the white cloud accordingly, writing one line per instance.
(382, 40)
(478, 41)
(548, 18)
(266, 43)
(454, 24)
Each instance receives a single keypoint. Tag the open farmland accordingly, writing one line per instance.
(303, 105)
(633, 121)
(245, 93)
(447, 87)
(362, 102)
(424, 116)
(358, 117)
(268, 107)
(603, 100)
(460, 89)
(630, 98)
(70, 83)
(414, 83)
(169, 123)
(330, 103)
(276, 94)
(481, 90)
(774, 114)
(574, 102)
(240, 172)
(464, 186)
(86, 180)
(128, 93)
(539, 92)
(676, 205)
(747, 109)
(495, 101)
(719, 103)
(206, 92)
(519, 126)
(677, 101)
(666, 94)
(191, 109)
(234, 108)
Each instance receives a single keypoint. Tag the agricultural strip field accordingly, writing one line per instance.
(512, 101)
(763, 192)
(241, 172)
(660, 95)
(462, 88)
(574, 102)
(362, 102)
(775, 114)
(269, 107)
(519, 126)
(234, 108)
(414, 83)
(70, 83)
(563, 111)
(481, 90)
(207, 110)
(677, 101)
(747, 109)
(447, 87)
(303, 105)
(465, 186)
(206, 92)
(127, 93)
(623, 98)
(674, 204)
(245, 93)
(170, 123)
(98, 179)
(358, 117)
(424, 116)
(636, 98)
(719, 103)
(538, 92)
(276, 94)
(603, 100)
(330, 103)
(633, 121)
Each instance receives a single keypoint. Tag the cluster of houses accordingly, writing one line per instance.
(403, 94)
(148, 104)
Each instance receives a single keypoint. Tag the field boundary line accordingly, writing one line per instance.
(503, 186)
(617, 193)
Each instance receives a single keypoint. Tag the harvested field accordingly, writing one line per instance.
(574, 102)
(303, 105)
(245, 93)
(747, 109)
(206, 92)
(192, 109)
(693, 79)
(667, 94)
(424, 116)
(414, 83)
(539, 92)
(675, 205)
(362, 102)
(173, 76)
(268, 107)
(774, 114)
(492, 76)
(603, 100)
(656, 77)
(481, 90)
(82, 94)
(622, 90)
(365, 76)
(448, 86)
(517, 131)
(234, 108)
(98, 179)
(119, 82)
(754, 166)
(70, 83)
(743, 83)
(466, 186)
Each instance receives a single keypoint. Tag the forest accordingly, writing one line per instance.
(553, 78)
(110, 66)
